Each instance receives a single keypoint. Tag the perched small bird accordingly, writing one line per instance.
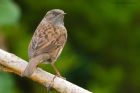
(47, 42)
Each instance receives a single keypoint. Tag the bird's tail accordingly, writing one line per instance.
(32, 65)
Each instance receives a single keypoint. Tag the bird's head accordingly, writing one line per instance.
(55, 15)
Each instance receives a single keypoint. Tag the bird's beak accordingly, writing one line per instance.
(63, 14)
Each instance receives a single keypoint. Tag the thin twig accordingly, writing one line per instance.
(11, 63)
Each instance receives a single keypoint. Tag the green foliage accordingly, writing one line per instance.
(6, 83)
(9, 12)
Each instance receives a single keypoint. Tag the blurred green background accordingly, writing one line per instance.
(103, 49)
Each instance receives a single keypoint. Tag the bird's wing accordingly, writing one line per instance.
(57, 43)
(45, 39)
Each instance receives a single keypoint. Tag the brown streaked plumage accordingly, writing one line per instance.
(47, 42)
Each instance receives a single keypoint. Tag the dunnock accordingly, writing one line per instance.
(47, 42)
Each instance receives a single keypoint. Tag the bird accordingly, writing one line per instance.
(47, 42)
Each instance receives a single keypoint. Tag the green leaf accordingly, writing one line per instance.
(9, 12)
(6, 83)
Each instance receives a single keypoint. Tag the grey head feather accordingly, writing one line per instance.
(56, 16)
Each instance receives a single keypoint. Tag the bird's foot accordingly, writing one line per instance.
(61, 77)
(50, 85)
